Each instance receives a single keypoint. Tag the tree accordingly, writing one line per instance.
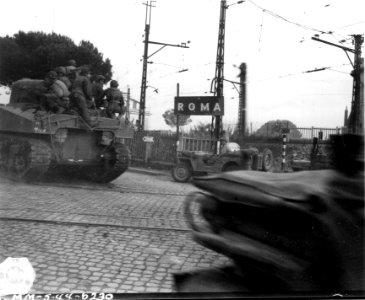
(274, 129)
(171, 119)
(201, 130)
(33, 54)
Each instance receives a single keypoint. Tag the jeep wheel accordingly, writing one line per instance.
(267, 160)
(181, 172)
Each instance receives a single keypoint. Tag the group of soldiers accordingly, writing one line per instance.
(69, 90)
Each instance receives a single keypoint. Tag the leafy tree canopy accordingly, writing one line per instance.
(274, 129)
(171, 119)
(33, 54)
(201, 130)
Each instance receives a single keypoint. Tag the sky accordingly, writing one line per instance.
(273, 37)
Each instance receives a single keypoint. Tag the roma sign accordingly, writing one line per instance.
(199, 105)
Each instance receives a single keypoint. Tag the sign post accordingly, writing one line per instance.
(284, 132)
(177, 122)
(149, 141)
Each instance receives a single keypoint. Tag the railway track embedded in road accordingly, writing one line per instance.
(41, 214)
(105, 187)
(95, 224)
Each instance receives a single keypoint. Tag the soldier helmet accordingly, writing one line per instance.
(114, 84)
(61, 70)
(71, 62)
(51, 75)
(84, 70)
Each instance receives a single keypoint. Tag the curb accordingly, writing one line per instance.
(152, 172)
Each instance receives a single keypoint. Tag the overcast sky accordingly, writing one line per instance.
(273, 37)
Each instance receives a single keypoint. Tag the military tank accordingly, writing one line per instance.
(35, 143)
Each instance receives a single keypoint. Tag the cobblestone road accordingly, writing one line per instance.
(128, 236)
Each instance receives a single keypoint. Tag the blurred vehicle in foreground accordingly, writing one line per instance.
(292, 232)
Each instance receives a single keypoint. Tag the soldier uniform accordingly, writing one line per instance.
(51, 94)
(97, 90)
(61, 72)
(81, 93)
(114, 100)
(71, 70)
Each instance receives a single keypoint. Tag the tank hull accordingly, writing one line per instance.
(35, 143)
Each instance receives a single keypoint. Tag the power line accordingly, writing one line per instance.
(303, 72)
(180, 71)
(156, 63)
(350, 25)
(288, 21)
(262, 24)
(339, 71)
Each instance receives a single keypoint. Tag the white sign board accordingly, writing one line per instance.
(148, 139)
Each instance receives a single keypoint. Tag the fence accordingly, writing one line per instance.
(163, 148)
(297, 132)
(196, 144)
(311, 132)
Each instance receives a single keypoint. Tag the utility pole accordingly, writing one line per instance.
(356, 117)
(219, 75)
(142, 103)
(217, 121)
(242, 102)
(127, 113)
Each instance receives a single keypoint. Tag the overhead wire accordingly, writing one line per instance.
(301, 73)
(350, 25)
(286, 20)
(177, 72)
(262, 24)
(348, 73)
(157, 63)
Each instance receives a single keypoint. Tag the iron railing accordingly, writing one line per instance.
(311, 132)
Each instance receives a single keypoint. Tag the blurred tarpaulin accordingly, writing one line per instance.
(287, 232)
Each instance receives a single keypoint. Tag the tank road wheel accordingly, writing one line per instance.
(267, 160)
(113, 162)
(181, 172)
(24, 159)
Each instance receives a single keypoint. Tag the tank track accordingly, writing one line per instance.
(23, 158)
(108, 170)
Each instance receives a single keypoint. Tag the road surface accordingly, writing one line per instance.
(128, 236)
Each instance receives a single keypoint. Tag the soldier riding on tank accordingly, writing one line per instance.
(54, 94)
(114, 101)
(81, 94)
